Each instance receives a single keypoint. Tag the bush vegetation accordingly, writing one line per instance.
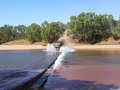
(86, 27)
(92, 28)
(47, 32)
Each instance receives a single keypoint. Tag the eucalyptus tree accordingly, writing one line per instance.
(34, 33)
(20, 31)
(6, 33)
(116, 31)
(51, 31)
(91, 28)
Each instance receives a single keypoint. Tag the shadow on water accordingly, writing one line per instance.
(63, 84)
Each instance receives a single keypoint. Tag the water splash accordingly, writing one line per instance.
(66, 49)
(50, 48)
(63, 50)
(59, 60)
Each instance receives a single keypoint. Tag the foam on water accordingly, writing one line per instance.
(50, 48)
(59, 60)
(64, 50)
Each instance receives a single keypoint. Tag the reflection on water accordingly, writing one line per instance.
(10, 60)
(89, 57)
(87, 70)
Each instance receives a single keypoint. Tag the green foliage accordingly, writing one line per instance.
(116, 32)
(48, 32)
(91, 28)
(33, 33)
(20, 32)
(51, 31)
(6, 33)
(86, 27)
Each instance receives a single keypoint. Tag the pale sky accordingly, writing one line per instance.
(15, 12)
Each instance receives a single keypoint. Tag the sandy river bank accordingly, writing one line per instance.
(21, 47)
(77, 47)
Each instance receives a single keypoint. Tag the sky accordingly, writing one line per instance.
(15, 12)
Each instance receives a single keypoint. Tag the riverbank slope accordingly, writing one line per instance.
(25, 45)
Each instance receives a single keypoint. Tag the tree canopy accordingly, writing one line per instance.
(51, 31)
(85, 27)
(48, 32)
(91, 28)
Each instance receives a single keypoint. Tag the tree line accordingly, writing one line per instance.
(46, 32)
(92, 28)
(86, 27)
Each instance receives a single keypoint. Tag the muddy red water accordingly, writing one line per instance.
(87, 70)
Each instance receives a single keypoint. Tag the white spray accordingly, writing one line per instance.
(59, 60)
(64, 50)
(50, 48)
